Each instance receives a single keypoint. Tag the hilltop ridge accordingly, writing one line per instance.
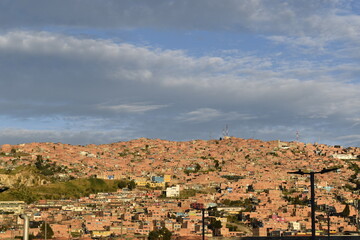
(190, 162)
(158, 156)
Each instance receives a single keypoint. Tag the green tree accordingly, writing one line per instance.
(197, 167)
(122, 184)
(131, 185)
(346, 211)
(215, 226)
(160, 234)
(216, 163)
(214, 212)
(45, 229)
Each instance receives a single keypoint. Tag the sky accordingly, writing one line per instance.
(103, 71)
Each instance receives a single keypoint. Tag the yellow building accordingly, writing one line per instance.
(167, 178)
(141, 182)
(154, 184)
(101, 233)
(16, 207)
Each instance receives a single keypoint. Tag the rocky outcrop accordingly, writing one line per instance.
(24, 178)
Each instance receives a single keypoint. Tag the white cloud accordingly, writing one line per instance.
(326, 19)
(349, 140)
(60, 76)
(305, 41)
(96, 71)
(201, 115)
(131, 108)
(210, 114)
(20, 135)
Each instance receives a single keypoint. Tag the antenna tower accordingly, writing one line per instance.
(297, 136)
(226, 131)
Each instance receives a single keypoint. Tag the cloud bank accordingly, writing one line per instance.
(95, 87)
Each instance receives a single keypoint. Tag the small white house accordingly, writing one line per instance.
(173, 191)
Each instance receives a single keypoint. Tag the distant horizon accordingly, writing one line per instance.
(87, 71)
(189, 140)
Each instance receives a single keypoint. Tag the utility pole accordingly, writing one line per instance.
(203, 223)
(312, 185)
(69, 231)
(26, 226)
(328, 220)
(357, 207)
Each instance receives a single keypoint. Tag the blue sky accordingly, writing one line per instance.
(94, 71)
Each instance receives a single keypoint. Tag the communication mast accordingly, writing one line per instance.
(226, 131)
(297, 136)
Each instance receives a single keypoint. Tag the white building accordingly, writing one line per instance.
(295, 226)
(344, 156)
(173, 191)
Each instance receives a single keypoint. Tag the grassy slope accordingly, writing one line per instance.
(60, 190)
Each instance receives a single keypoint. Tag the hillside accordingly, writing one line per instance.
(72, 189)
(252, 162)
